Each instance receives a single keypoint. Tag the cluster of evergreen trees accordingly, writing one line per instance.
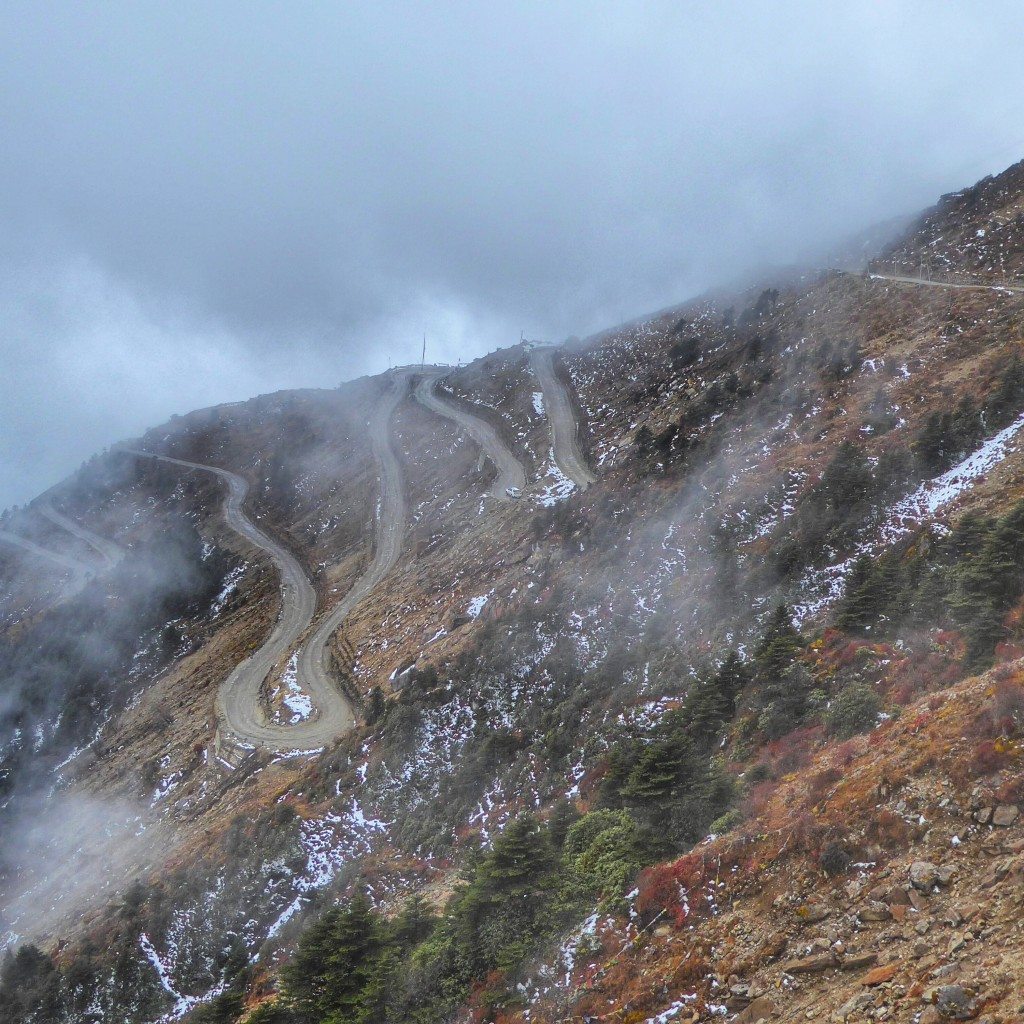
(834, 511)
(354, 966)
(968, 581)
(949, 436)
(669, 781)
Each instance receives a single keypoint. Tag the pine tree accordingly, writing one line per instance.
(1008, 397)
(521, 854)
(871, 590)
(731, 679)
(662, 776)
(932, 446)
(785, 702)
(779, 645)
(29, 987)
(335, 963)
(966, 429)
(415, 922)
(706, 709)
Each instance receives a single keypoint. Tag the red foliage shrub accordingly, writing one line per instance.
(922, 673)
(1007, 711)
(888, 829)
(822, 782)
(758, 797)
(988, 757)
(1011, 791)
(793, 751)
(1008, 652)
(675, 887)
(847, 752)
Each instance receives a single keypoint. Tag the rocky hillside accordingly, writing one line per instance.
(734, 730)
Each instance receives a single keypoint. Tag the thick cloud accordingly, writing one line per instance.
(199, 202)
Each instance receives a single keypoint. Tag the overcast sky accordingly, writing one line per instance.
(201, 202)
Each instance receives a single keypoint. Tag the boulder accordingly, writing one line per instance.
(858, 961)
(811, 913)
(918, 900)
(924, 875)
(953, 1002)
(1005, 815)
(761, 1008)
(897, 897)
(854, 1005)
(875, 912)
(880, 975)
(811, 964)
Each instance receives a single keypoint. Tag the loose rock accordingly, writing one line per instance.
(1005, 815)
(924, 876)
(811, 964)
(875, 912)
(880, 975)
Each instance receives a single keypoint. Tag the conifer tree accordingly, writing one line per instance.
(730, 680)
(779, 645)
(329, 976)
(706, 709)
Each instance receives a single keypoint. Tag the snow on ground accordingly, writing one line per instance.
(672, 1012)
(182, 1004)
(329, 843)
(824, 586)
(557, 486)
(538, 402)
(230, 586)
(167, 784)
(297, 701)
(476, 605)
(934, 495)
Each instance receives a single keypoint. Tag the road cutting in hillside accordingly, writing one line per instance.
(239, 707)
(81, 571)
(932, 283)
(562, 419)
(110, 552)
(511, 472)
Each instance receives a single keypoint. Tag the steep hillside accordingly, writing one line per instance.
(787, 612)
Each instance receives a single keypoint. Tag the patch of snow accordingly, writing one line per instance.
(295, 699)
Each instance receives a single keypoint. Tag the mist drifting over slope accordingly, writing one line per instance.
(199, 205)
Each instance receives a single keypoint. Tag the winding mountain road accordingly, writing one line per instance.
(239, 707)
(314, 672)
(511, 472)
(81, 571)
(110, 552)
(564, 429)
(238, 700)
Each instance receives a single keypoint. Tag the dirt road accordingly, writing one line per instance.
(238, 701)
(110, 552)
(239, 708)
(929, 282)
(564, 429)
(314, 672)
(511, 472)
(81, 571)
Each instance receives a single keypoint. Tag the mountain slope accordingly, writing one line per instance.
(803, 521)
